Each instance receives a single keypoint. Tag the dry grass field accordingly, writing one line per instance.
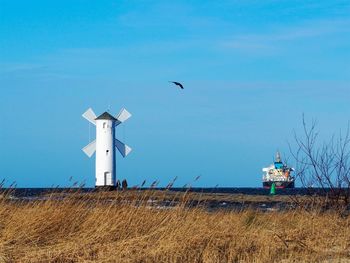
(124, 227)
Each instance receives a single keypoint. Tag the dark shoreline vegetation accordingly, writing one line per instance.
(170, 226)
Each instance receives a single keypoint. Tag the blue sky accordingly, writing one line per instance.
(250, 70)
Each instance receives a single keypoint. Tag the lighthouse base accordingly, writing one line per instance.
(105, 188)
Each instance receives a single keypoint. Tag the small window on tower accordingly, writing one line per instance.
(104, 125)
(107, 151)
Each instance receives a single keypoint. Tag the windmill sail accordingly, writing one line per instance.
(90, 148)
(122, 148)
(123, 115)
(90, 116)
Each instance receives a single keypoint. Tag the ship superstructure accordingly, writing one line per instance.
(279, 174)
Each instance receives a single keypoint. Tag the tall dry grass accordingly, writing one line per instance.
(121, 227)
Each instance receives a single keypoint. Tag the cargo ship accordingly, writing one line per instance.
(279, 174)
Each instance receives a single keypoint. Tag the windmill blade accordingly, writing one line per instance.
(90, 148)
(122, 148)
(90, 116)
(123, 115)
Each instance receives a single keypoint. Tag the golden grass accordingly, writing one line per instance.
(123, 227)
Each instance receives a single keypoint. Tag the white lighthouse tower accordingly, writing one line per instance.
(105, 145)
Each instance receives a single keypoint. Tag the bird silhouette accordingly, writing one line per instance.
(178, 84)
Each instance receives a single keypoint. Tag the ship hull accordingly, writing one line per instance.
(279, 184)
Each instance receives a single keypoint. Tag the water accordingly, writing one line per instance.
(253, 190)
(32, 192)
(222, 203)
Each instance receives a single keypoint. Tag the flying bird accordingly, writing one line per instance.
(178, 84)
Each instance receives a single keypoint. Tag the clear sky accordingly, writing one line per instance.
(250, 69)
